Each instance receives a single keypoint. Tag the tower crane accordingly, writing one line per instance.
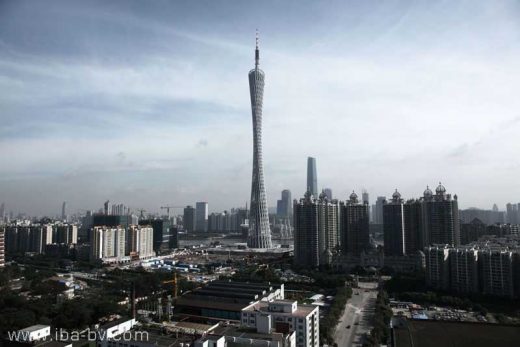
(174, 282)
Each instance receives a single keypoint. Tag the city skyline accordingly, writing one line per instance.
(394, 100)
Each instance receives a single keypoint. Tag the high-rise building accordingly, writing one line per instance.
(173, 242)
(512, 213)
(65, 234)
(201, 220)
(40, 237)
(108, 244)
(189, 218)
(441, 217)
(284, 205)
(355, 236)
(2, 247)
(378, 210)
(490, 266)
(106, 208)
(394, 226)
(227, 221)
(259, 230)
(141, 241)
(437, 266)
(161, 233)
(312, 177)
(414, 238)
(464, 270)
(497, 272)
(64, 211)
(327, 192)
(316, 230)
(119, 210)
(2, 213)
(364, 197)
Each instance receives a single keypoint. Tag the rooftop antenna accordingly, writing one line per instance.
(257, 52)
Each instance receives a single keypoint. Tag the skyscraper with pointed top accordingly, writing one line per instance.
(312, 178)
(259, 231)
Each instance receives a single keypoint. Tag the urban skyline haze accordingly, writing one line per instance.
(148, 104)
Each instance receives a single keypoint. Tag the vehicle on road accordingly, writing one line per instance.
(348, 326)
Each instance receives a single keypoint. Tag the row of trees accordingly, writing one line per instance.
(18, 312)
(98, 300)
(380, 332)
(328, 324)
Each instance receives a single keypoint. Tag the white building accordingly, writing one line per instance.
(210, 341)
(112, 330)
(108, 244)
(34, 333)
(141, 241)
(284, 315)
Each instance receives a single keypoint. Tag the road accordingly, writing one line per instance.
(358, 313)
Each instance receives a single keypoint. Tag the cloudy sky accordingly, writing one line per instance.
(146, 103)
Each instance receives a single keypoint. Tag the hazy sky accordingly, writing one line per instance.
(147, 103)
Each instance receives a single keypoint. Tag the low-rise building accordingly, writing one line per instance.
(34, 333)
(224, 300)
(284, 315)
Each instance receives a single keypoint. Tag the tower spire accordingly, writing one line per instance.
(257, 51)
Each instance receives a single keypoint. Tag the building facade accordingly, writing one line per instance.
(355, 236)
(441, 217)
(161, 233)
(312, 176)
(463, 263)
(284, 205)
(394, 227)
(437, 267)
(378, 210)
(303, 319)
(316, 230)
(201, 219)
(108, 244)
(490, 266)
(189, 219)
(141, 241)
(65, 234)
(2, 247)
(497, 272)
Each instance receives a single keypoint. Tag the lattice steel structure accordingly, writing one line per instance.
(259, 231)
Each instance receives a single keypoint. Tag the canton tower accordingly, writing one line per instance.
(259, 231)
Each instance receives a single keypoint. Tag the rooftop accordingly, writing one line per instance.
(234, 331)
(35, 327)
(301, 310)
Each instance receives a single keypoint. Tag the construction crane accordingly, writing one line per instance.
(167, 208)
(174, 282)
